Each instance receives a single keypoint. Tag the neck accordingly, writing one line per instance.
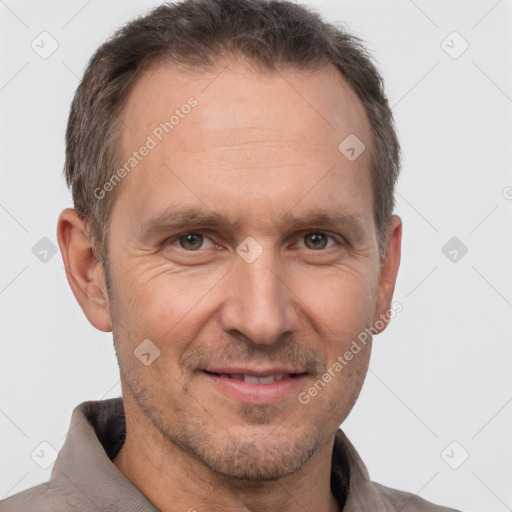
(173, 479)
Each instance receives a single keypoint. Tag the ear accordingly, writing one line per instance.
(388, 272)
(83, 269)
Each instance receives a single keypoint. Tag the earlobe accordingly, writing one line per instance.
(83, 269)
(388, 272)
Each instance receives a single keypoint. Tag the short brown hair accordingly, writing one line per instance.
(196, 34)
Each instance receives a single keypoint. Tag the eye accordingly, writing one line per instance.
(193, 241)
(317, 240)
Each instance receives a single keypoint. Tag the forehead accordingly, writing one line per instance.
(317, 106)
(239, 131)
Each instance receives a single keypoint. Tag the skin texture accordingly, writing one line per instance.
(257, 146)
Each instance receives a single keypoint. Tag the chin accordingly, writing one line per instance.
(260, 461)
(252, 453)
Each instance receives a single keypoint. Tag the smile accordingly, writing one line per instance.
(258, 388)
(265, 379)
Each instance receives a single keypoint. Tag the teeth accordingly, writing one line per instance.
(267, 379)
(254, 380)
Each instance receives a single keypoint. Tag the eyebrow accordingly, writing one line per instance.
(176, 219)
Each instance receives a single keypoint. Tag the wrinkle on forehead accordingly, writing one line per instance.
(245, 105)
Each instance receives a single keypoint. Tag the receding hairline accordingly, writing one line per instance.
(225, 62)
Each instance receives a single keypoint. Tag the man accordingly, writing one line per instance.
(232, 164)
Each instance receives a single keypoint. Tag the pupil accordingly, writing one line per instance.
(318, 240)
(191, 241)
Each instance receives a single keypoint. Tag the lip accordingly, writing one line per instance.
(252, 393)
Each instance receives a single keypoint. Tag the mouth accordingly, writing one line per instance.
(255, 379)
(256, 387)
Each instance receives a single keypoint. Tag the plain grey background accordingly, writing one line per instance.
(435, 414)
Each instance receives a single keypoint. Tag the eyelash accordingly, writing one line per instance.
(176, 238)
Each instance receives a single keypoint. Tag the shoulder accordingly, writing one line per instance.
(41, 498)
(407, 502)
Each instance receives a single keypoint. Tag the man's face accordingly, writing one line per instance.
(269, 289)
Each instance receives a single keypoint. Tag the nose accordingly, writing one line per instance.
(259, 304)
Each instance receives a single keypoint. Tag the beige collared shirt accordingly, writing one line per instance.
(85, 479)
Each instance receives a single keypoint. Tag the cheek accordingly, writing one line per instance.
(341, 305)
(347, 383)
(162, 304)
(155, 291)
(342, 311)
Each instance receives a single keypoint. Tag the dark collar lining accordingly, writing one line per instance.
(340, 471)
(109, 422)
